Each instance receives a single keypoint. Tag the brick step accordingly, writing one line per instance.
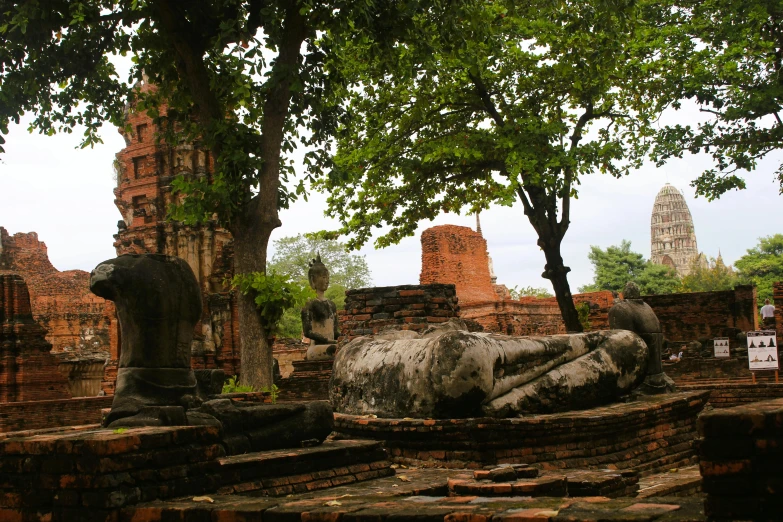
(680, 482)
(284, 472)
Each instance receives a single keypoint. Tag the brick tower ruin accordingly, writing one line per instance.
(672, 236)
(145, 169)
(457, 255)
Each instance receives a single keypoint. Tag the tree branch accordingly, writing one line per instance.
(486, 99)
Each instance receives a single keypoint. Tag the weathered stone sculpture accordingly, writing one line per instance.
(319, 316)
(450, 373)
(158, 304)
(631, 313)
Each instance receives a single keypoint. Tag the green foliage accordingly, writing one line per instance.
(120, 430)
(273, 392)
(725, 57)
(658, 279)
(292, 258)
(614, 267)
(524, 291)
(273, 295)
(617, 265)
(583, 309)
(709, 276)
(487, 102)
(232, 386)
(293, 255)
(763, 265)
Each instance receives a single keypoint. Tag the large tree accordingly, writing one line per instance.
(730, 64)
(240, 76)
(617, 265)
(485, 103)
(763, 265)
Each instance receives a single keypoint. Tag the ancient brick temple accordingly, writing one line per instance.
(80, 327)
(28, 370)
(672, 236)
(145, 169)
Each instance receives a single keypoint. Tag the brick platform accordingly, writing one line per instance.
(92, 474)
(741, 458)
(645, 436)
(727, 394)
(309, 381)
(415, 496)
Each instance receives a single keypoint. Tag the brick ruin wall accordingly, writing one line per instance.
(55, 413)
(535, 316)
(28, 370)
(408, 307)
(777, 295)
(80, 326)
(704, 315)
(458, 255)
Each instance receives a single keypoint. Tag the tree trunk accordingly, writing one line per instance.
(256, 354)
(557, 273)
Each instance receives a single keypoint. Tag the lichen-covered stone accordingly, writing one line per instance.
(462, 374)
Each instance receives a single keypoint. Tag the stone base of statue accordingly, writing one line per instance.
(656, 384)
(166, 390)
(258, 427)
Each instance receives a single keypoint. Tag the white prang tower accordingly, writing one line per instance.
(672, 236)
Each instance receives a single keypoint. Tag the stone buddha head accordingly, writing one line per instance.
(318, 275)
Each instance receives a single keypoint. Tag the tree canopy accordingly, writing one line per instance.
(710, 275)
(728, 61)
(241, 77)
(491, 103)
(763, 265)
(617, 265)
(293, 255)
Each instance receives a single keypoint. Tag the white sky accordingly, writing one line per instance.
(65, 194)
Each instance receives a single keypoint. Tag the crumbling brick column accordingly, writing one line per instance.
(458, 256)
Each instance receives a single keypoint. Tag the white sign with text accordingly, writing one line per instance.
(762, 350)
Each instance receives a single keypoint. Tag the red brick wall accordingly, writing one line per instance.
(18, 416)
(534, 316)
(457, 256)
(76, 320)
(409, 307)
(704, 315)
(777, 295)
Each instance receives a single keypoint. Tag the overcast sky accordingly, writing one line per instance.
(65, 195)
